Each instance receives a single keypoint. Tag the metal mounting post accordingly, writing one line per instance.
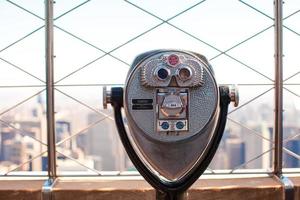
(278, 130)
(170, 196)
(278, 123)
(47, 188)
(48, 185)
(50, 90)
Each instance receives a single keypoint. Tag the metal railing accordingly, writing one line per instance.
(53, 86)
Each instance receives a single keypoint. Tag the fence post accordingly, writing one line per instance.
(278, 123)
(48, 185)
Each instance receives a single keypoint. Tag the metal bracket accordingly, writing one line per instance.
(288, 187)
(47, 189)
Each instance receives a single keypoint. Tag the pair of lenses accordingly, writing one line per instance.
(184, 73)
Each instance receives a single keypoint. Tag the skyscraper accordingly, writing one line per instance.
(289, 160)
(104, 145)
(235, 149)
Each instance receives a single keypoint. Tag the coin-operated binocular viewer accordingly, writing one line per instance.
(176, 114)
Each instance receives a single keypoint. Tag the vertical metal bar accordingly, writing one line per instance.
(278, 124)
(50, 89)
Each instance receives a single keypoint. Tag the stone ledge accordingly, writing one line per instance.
(20, 189)
(254, 188)
(296, 182)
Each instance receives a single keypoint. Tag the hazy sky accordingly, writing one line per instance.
(109, 24)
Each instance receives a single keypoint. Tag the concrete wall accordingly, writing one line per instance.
(265, 188)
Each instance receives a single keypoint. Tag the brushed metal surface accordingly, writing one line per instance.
(171, 157)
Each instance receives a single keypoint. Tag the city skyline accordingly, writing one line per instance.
(88, 146)
(95, 44)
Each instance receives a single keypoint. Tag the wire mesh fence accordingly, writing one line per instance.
(94, 45)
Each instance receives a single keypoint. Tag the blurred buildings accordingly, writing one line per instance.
(247, 140)
(21, 141)
(103, 143)
(99, 147)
